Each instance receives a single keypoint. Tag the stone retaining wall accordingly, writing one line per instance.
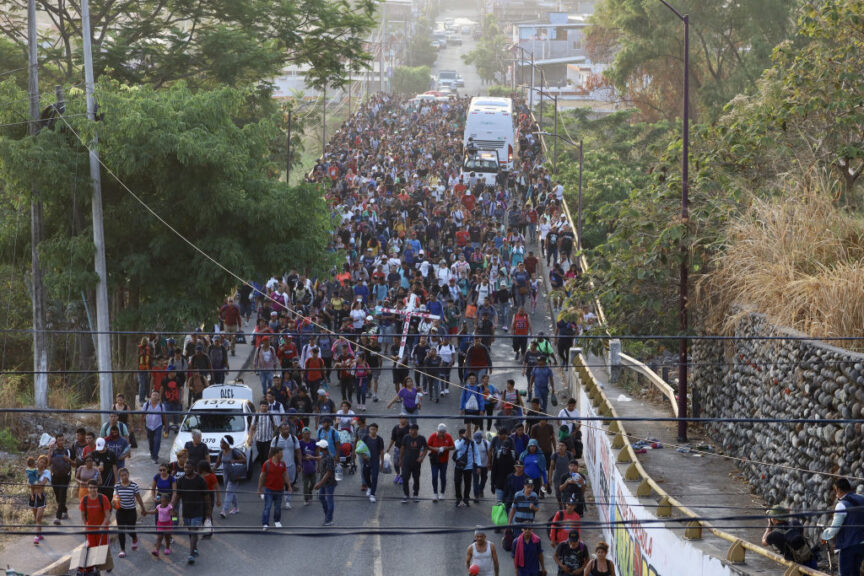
(783, 379)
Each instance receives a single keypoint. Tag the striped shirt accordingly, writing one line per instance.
(265, 427)
(126, 494)
(522, 507)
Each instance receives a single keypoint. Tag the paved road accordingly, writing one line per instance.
(450, 58)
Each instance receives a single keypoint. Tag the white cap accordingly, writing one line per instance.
(442, 427)
(100, 443)
(322, 444)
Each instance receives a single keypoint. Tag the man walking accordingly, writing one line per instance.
(271, 486)
(155, 422)
(289, 445)
(327, 484)
(61, 461)
(413, 451)
(192, 491)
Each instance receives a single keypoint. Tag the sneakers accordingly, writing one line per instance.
(190, 559)
(372, 498)
(397, 479)
(36, 538)
(435, 498)
(195, 553)
(234, 511)
(167, 551)
(222, 515)
(277, 524)
(287, 506)
(264, 527)
(328, 523)
(368, 492)
(122, 554)
(404, 501)
(135, 545)
(416, 499)
(155, 553)
(374, 398)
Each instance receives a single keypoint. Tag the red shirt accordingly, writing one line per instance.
(520, 324)
(434, 442)
(97, 508)
(531, 264)
(274, 475)
(468, 201)
(313, 369)
(462, 237)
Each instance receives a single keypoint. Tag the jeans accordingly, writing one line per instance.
(230, 500)
(362, 390)
(143, 386)
(464, 478)
(411, 470)
(439, 471)
(543, 394)
(433, 385)
(325, 496)
(503, 310)
(154, 442)
(272, 497)
(308, 484)
(174, 419)
(60, 485)
(346, 387)
(219, 376)
(481, 474)
(266, 377)
(444, 374)
(370, 474)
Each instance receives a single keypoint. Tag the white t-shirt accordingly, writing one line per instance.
(358, 318)
(573, 416)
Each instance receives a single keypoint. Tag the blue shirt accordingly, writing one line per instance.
(542, 377)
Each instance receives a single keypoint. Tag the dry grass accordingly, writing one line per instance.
(799, 260)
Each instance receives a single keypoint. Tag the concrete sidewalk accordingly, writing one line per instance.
(704, 481)
(51, 556)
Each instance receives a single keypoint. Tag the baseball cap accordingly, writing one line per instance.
(442, 427)
(573, 536)
(100, 443)
(322, 444)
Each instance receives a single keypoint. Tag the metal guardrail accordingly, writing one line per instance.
(667, 390)
(635, 472)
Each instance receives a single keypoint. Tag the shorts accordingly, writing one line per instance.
(196, 522)
(477, 421)
(36, 501)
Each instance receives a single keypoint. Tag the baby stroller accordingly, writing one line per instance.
(347, 458)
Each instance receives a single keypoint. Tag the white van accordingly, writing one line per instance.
(223, 409)
(490, 125)
(484, 165)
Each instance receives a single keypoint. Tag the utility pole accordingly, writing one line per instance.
(288, 155)
(579, 203)
(40, 343)
(103, 324)
(324, 122)
(531, 101)
(542, 83)
(555, 142)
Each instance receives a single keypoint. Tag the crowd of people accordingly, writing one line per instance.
(438, 268)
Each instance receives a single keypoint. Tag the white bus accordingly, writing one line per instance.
(490, 126)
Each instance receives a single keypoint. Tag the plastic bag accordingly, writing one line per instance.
(361, 449)
(499, 514)
(208, 527)
(338, 473)
(388, 465)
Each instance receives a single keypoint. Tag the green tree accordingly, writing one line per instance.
(488, 57)
(730, 45)
(411, 80)
(420, 51)
(201, 161)
(206, 43)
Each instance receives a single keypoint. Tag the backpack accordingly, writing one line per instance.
(172, 391)
(798, 547)
(102, 499)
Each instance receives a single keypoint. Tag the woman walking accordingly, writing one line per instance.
(600, 566)
(126, 495)
(38, 477)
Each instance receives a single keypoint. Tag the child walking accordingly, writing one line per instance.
(164, 524)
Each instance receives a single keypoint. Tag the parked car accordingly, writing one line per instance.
(459, 82)
(455, 40)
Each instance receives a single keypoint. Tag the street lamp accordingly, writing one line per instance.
(685, 217)
(555, 171)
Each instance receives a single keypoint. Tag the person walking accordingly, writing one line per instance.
(482, 555)
(528, 554)
(412, 452)
(465, 459)
(373, 460)
(233, 462)
(290, 447)
(847, 528)
(126, 496)
(271, 487)
(38, 476)
(155, 422)
(601, 566)
(326, 485)
(440, 445)
(192, 491)
(571, 556)
(308, 461)
(95, 510)
(61, 460)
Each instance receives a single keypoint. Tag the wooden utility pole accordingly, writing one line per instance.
(288, 152)
(40, 338)
(103, 324)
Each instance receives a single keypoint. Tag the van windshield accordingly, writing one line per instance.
(481, 164)
(206, 423)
